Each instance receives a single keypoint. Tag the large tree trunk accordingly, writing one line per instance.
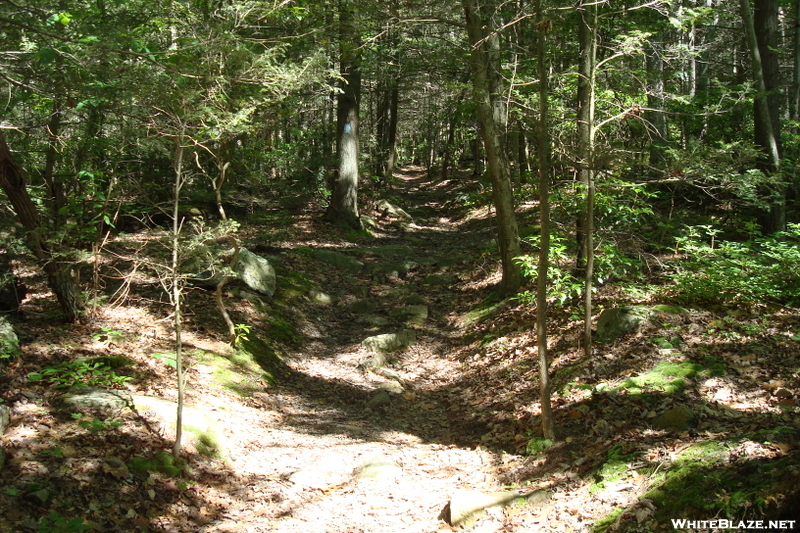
(59, 274)
(485, 60)
(344, 201)
(761, 28)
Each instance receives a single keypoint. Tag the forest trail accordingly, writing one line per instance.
(342, 442)
(314, 455)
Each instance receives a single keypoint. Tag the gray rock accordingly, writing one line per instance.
(5, 418)
(9, 343)
(440, 279)
(390, 342)
(341, 261)
(82, 398)
(378, 469)
(392, 386)
(368, 222)
(373, 362)
(392, 270)
(676, 419)
(412, 314)
(466, 506)
(320, 297)
(614, 323)
(387, 208)
(256, 272)
(380, 399)
(371, 319)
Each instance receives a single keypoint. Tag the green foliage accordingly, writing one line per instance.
(563, 286)
(96, 425)
(666, 377)
(758, 270)
(241, 332)
(615, 467)
(8, 349)
(162, 462)
(55, 523)
(168, 358)
(537, 445)
(80, 372)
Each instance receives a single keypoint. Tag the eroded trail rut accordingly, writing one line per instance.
(326, 450)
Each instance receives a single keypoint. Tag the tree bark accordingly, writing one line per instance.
(761, 29)
(794, 100)
(548, 426)
(585, 119)
(344, 200)
(485, 62)
(655, 115)
(59, 273)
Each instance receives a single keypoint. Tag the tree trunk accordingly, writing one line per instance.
(586, 132)
(59, 273)
(344, 200)
(548, 426)
(762, 32)
(655, 115)
(485, 62)
(794, 100)
(585, 118)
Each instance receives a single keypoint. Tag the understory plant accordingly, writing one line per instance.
(757, 270)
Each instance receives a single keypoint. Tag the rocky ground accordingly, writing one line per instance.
(353, 435)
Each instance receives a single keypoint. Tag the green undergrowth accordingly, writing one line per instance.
(162, 462)
(667, 376)
(242, 369)
(737, 479)
(615, 468)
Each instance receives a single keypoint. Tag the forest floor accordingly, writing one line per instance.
(315, 446)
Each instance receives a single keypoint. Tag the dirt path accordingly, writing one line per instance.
(314, 457)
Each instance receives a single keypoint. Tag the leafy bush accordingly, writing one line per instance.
(761, 269)
(80, 372)
(55, 523)
(610, 263)
(563, 286)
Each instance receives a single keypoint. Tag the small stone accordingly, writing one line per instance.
(320, 297)
(379, 469)
(380, 399)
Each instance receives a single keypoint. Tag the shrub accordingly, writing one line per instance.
(758, 270)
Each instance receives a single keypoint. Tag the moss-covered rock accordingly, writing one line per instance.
(679, 418)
